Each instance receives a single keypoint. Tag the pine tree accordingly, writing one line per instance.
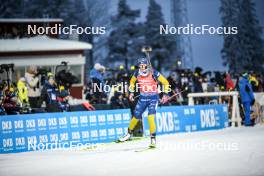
(162, 44)
(71, 11)
(231, 51)
(242, 51)
(125, 39)
(10, 8)
(251, 33)
(48, 8)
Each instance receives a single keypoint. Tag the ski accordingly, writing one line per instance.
(94, 147)
(130, 140)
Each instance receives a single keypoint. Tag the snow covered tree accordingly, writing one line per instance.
(251, 37)
(231, 51)
(162, 45)
(242, 51)
(10, 8)
(48, 8)
(125, 38)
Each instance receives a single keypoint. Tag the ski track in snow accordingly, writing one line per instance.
(244, 156)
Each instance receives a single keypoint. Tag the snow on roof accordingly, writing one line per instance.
(25, 20)
(41, 43)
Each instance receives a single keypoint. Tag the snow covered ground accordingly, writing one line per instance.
(232, 151)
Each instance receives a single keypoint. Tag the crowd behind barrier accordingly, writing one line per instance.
(38, 91)
(42, 91)
(179, 79)
(183, 82)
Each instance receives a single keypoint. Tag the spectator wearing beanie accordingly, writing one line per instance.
(32, 82)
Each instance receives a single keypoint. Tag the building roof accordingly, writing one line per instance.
(30, 20)
(41, 43)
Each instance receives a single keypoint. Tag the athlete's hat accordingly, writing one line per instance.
(143, 61)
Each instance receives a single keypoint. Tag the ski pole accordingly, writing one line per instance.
(174, 95)
(185, 89)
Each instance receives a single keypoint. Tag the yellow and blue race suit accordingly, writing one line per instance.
(149, 96)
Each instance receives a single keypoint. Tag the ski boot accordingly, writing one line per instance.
(152, 141)
(126, 137)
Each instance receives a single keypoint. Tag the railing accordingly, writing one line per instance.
(235, 117)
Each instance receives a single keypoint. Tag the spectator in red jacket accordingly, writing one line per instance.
(229, 83)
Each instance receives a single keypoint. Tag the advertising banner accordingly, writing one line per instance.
(173, 119)
(56, 130)
(30, 132)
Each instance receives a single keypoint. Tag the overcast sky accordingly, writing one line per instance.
(205, 48)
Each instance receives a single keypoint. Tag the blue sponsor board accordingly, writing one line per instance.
(21, 133)
(173, 119)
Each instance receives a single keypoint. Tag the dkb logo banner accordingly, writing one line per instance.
(29, 132)
(173, 119)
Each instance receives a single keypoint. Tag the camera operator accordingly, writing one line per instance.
(32, 82)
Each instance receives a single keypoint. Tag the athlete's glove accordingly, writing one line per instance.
(131, 97)
(165, 99)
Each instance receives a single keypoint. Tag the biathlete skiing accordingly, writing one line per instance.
(145, 79)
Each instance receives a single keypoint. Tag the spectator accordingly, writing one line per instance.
(253, 81)
(219, 79)
(175, 87)
(197, 83)
(51, 95)
(173, 80)
(205, 84)
(118, 101)
(97, 73)
(98, 80)
(229, 83)
(261, 84)
(247, 97)
(32, 82)
(197, 80)
(22, 92)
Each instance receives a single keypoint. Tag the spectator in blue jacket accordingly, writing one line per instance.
(98, 81)
(247, 97)
(97, 73)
